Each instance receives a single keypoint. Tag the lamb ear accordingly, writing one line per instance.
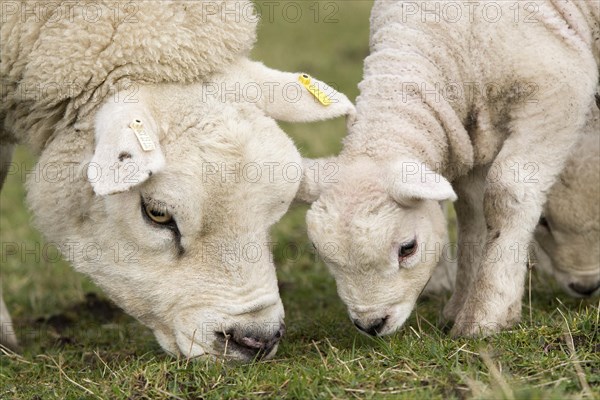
(127, 149)
(293, 97)
(316, 175)
(413, 180)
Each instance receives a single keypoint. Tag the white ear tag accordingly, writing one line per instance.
(143, 138)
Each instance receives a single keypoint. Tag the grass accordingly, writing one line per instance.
(77, 345)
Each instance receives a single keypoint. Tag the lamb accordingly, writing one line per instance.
(567, 237)
(170, 167)
(451, 109)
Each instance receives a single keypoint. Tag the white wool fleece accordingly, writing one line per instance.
(61, 60)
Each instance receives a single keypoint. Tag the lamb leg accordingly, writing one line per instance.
(7, 332)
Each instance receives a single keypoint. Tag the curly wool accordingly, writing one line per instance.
(59, 62)
(415, 64)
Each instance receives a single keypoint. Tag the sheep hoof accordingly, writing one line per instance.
(474, 329)
(472, 324)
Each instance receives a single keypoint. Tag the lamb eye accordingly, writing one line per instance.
(407, 249)
(157, 214)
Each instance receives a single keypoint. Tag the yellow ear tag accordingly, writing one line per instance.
(304, 79)
(145, 140)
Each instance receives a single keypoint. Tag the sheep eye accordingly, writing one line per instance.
(157, 213)
(407, 249)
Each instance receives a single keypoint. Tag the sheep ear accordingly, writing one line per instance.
(127, 149)
(296, 97)
(413, 180)
(316, 175)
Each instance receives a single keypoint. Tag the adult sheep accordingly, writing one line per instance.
(161, 153)
(453, 93)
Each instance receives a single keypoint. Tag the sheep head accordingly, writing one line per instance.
(381, 231)
(568, 235)
(166, 203)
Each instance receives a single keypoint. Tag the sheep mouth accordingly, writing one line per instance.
(221, 348)
(249, 348)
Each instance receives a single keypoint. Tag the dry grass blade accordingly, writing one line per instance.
(334, 351)
(585, 387)
(496, 375)
(598, 314)
(475, 388)
(171, 395)
(190, 349)
(12, 355)
(320, 355)
(64, 374)
(106, 365)
(457, 351)
(530, 266)
(415, 332)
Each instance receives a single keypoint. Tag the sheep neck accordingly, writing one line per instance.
(399, 121)
(388, 128)
(407, 108)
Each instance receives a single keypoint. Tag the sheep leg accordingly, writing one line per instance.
(7, 332)
(526, 167)
(8, 338)
(471, 234)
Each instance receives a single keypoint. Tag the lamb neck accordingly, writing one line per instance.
(406, 108)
